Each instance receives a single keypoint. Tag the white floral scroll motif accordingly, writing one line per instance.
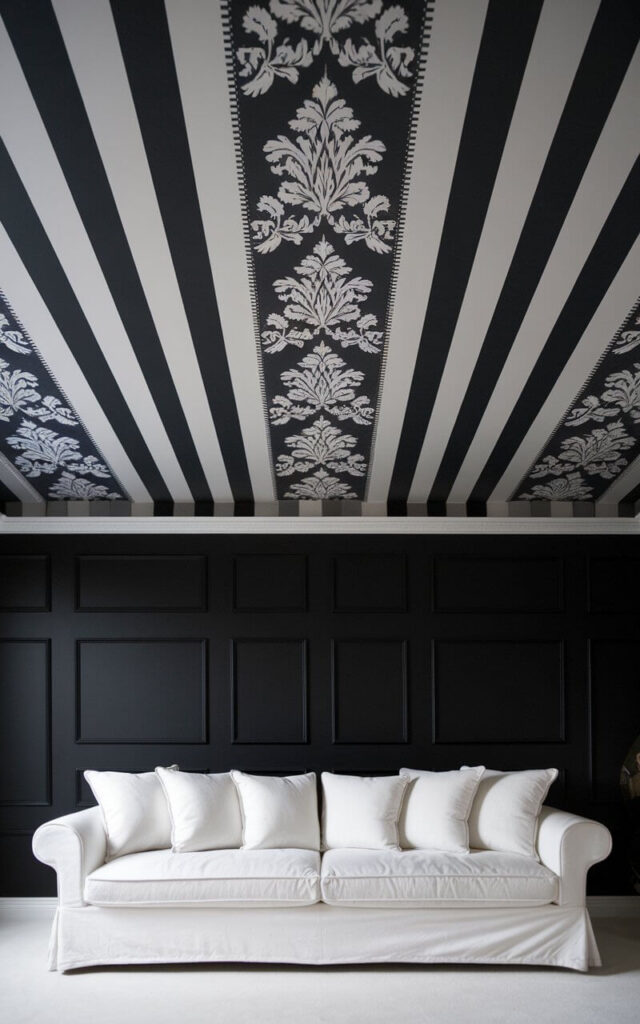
(18, 392)
(378, 58)
(324, 383)
(622, 394)
(569, 488)
(322, 445)
(628, 340)
(14, 340)
(44, 452)
(322, 172)
(321, 298)
(72, 488)
(598, 453)
(319, 487)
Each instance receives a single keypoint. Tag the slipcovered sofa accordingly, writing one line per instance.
(286, 903)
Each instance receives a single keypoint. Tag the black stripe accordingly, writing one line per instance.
(146, 47)
(595, 86)
(614, 241)
(6, 495)
(506, 41)
(633, 496)
(40, 48)
(36, 252)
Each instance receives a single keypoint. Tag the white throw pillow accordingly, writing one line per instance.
(134, 811)
(361, 812)
(436, 809)
(204, 809)
(278, 812)
(504, 815)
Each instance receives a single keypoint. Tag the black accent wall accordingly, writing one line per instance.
(284, 654)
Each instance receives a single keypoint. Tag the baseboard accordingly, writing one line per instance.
(27, 902)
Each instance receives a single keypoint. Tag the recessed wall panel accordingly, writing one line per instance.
(141, 583)
(141, 691)
(369, 691)
(498, 691)
(475, 584)
(269, 691)
(613, 584)
(269, 583)
(614, 712)
(24, 583)
(374, 583)
(24, 722)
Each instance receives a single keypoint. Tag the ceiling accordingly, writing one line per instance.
(320, 256)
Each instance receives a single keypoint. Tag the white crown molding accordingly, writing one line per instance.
(12, 526)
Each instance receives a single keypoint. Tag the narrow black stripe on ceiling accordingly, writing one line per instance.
(594, 89)
(632, 497)
(38, 43)
(619, 233)
(504, 49)
(145, 42)
(36, 252)
(6, 494)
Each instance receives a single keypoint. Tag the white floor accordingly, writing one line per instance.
(297, 995)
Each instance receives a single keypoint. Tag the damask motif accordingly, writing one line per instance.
(322, 445)
(567, 488)
(379, 58)
(323, 383)
(42, 451)
(319, 487)
(322, 172)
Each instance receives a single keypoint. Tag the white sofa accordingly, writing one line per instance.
(345, 906)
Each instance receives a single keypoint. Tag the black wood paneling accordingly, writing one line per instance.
(283, 654)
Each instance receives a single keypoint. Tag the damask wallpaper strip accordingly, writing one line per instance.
(45, 61)
(330, 118)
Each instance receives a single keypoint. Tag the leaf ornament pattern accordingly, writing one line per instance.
(61, 464)
(580, 466)
(375, 55)
(327, 94)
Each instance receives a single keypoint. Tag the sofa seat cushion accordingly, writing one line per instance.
(228, 878)
(432, 878)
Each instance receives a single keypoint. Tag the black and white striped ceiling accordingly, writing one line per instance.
(320, 255)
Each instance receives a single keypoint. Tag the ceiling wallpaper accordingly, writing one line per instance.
(327, 256)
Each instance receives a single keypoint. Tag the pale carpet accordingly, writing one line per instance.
(299, 995)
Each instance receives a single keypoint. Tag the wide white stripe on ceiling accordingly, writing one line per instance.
(556, 51)
(92, 45)
(610, 164)
(39, 324)
(17, 484)
(618, 300)
(29, 146)
(453, 50)
(198, 48)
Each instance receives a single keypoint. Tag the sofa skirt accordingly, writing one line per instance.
(551, 936)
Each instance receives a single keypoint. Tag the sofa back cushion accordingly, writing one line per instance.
(436, 809)
(361, 812)
(278, 812)
(134, 811)
(204, 810)
(505, 811)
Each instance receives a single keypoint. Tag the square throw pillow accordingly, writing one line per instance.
(504, 815)
(204, 810)
(278, 812)
(134, 811)
(436, 809)
(361, 812)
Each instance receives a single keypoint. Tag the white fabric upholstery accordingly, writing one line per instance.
(204, 810)
(361, 811)
(232, 878)
(134, 809)
(425, 878)
(569, 845)
(73, 845)
(504, 814)
(278, 812)
(436, 809)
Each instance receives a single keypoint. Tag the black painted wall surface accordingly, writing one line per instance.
(284, 654)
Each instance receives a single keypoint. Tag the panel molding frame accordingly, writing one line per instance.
(404, 646)
(363, 609)
(589, 585)
(133, 609)
(46, 607)
(233, 690)
(48, 801)
(474, 557)
(204, 691)
(557, 641)
(591, 753)
(277, 609)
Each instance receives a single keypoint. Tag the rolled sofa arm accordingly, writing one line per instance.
(74, 845)
(569, 845)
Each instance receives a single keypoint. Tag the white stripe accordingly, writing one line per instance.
(17, 484)
(31, 151)
(43, 330)
(453, 50)
(612, 159)
(198, 48)
(558, 44)
(619, 298)
(92, 44)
